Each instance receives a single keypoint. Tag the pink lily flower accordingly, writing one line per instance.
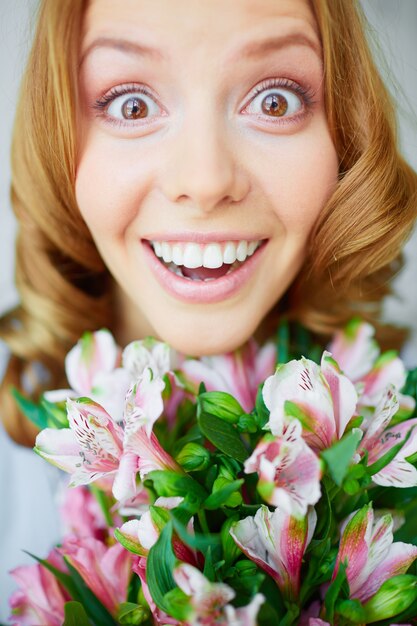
(380, 438)
(159, 617)
(276, 542)
(209, 601)
(81, 514)
(371, 556)
(40, 598)
(357, 353)
(355, 349)
(106, 571)
(289, 471)
(238, 373)
(321, 398)
(141, 534)
(149, 352)
(93, 369)
(90, 449)
(143, 407)
(163, 361)
(96, 447)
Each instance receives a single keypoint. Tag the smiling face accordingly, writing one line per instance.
(202, 136)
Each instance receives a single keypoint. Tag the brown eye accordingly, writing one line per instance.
(274, 105)
(134, 108)
(278, 102)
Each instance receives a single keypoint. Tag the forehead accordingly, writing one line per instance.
(169, 27)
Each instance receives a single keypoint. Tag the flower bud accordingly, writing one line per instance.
(220, 404)
(193, 457)
(246, 568)
(247, 423)
(394, 596)
(131, 613)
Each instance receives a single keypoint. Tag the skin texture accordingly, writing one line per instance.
(207, 159)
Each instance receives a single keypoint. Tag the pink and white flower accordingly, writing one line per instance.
(321, 398)
(355, 349)
(93, 369)
(90, 449)
(149, 353)
(209, 602)
(289, 471)
(40, 598)
(276, 542)
(96, 447)
(81, 514)
(358, 355)
(105, 570)
(371, 556)
(238, 373)
(380, 438)
(159, 617)
(139, 535)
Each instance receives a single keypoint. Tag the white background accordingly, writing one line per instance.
(394, 31)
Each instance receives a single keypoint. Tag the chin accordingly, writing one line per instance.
(193, 339)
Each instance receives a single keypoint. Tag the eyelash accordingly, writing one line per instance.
(306, 95)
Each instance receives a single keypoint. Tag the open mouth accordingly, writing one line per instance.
(204, 262)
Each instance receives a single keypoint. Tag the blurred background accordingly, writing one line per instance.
(393, 35)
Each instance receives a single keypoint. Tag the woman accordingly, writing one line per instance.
(159, 145)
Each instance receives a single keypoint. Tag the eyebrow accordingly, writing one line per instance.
(123, 45)
(259, 48)
(253, 50)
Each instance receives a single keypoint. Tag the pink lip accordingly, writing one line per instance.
(202, 237)
(202, 292)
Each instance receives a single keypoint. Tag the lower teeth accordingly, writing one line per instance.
(176, 269)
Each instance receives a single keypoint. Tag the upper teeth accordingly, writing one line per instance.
(211, 255)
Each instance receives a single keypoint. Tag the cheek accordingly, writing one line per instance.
(301, 180)
(111, 183)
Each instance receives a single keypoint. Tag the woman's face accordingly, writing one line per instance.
(202, 136)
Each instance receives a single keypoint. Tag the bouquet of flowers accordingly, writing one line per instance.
(273, 485)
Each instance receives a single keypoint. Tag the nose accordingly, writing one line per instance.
(203, 168)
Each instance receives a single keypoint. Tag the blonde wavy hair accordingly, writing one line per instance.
(65, 289)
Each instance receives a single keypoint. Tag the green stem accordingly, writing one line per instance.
(102, 500)
(203, 522)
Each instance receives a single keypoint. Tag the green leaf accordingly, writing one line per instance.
(283, 341)
(220, 404)
(394, 596)
(333, 592)
(35, 413)
(339, 456)
(75, 615)
(167, 484)
(65, 579)
(95, 609)
(221, 496)
(196, 541)
(223, 435)
(132, 613)
(159, 567)
(410, 387)
(56, 415)
(208, 570)
(178, 604)
(351, 610)
(262, 413)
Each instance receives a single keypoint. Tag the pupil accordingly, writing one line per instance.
(275, 105)
(134, 108)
